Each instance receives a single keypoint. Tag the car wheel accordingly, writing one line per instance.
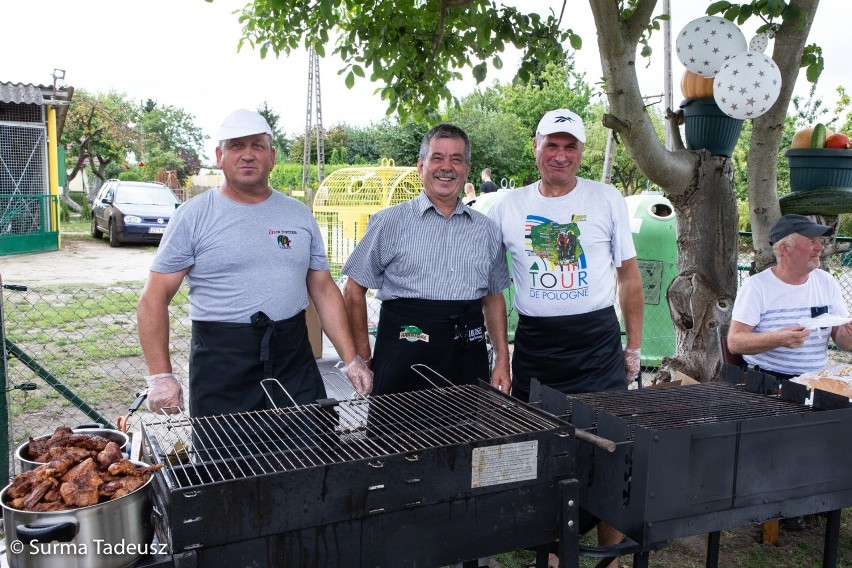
(113, 235)
(96, 233)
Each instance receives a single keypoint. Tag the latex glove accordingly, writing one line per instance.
(632, 365)
(165, 394)
(359, 375)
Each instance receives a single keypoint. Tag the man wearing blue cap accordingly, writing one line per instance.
(252, 257)
(772, 323)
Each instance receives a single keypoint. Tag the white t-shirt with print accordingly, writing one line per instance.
(564, 249)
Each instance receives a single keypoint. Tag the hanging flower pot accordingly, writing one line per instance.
(819, 167)
(706, 126)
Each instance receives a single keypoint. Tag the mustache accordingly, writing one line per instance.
(450, 175)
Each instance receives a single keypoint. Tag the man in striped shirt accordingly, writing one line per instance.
(439, 269)
(773, 317)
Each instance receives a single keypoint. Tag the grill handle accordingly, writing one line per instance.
(416, 368)
(595, 440)
(280, 386)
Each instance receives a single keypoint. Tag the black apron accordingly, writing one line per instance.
(572, 354)
(447, 336)
(227, 362)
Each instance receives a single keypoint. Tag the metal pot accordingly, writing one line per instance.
(114, 534)
(120, 438)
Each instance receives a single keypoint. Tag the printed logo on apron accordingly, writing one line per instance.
(413, 333)
(469, 335)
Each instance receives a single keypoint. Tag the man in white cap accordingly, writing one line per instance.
(568, 334)
(252, 257)
(772, 306)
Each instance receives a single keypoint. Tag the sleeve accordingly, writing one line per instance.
(747, 305)
(176, 250)
(319, 260)
(622, 241)
(838, 305)
(499, 279)
(365, 264)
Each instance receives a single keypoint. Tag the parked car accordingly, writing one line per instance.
(130, 211)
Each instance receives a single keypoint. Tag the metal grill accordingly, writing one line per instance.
(667, 408)
(356, 482)
(198, 451)
(701, 458)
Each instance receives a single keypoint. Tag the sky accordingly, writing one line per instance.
(184, 53)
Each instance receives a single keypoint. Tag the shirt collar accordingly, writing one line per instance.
(423, 204)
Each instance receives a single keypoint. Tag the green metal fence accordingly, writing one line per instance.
(28, 223)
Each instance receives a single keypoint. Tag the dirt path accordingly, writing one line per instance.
(81, 259)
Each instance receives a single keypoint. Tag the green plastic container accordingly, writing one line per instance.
(819, 167)
(652, 221)
(706, 126)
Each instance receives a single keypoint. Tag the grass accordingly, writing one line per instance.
(739, 548)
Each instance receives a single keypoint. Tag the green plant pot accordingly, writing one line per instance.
(706, 126)
(811, 168)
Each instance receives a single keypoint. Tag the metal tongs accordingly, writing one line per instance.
(122, 422)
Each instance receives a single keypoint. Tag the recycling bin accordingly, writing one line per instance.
(652, 221)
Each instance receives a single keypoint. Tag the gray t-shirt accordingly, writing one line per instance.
(243, 258)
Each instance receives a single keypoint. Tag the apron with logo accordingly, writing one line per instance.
(447, 336)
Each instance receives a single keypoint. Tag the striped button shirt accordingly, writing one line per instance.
(411, 250)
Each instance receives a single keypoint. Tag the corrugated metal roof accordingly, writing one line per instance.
(20, 93)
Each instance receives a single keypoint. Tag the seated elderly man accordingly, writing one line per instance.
(770, 326)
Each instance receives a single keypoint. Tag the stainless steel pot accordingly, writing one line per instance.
(120, 438)
(114, 534)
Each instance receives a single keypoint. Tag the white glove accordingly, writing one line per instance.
(632, 363)
(359, 375)
(165, 393)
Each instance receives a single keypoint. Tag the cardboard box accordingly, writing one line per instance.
(314, 330)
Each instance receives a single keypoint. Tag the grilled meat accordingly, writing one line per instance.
(81, 471)
(82, 490)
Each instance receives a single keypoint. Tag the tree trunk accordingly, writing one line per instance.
(699, 186)
(701, 296)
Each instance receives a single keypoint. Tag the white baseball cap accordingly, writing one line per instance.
(241, 123)
(562, 120)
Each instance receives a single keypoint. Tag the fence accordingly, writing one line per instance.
(79, 346)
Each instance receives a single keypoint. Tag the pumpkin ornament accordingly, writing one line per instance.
(694, 86)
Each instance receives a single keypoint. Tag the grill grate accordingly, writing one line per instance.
(198, 451)
(679, 407)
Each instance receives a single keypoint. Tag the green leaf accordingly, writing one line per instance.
(575, 40)
(497, 62)
(745, 14)
(717, 7)
(479, 72)
(358, 70)
(350, 80)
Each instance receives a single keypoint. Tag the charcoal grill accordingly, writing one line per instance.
(425, 478)
(698, 459)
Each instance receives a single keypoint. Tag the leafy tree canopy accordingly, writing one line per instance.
(412, 48)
